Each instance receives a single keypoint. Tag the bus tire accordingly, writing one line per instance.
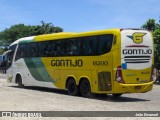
(19, 81)
(72, 88)
(116, 95)
(85, 89)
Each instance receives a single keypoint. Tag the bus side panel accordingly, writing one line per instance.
(102, 76)
(35, 73)
(97, 69)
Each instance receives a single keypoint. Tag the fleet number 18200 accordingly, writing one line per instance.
(100, 63)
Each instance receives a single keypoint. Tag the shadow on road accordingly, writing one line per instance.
(157, 83)
(43, 89)
(110, 98)
(121, 99)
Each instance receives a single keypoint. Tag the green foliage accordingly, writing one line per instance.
(149, 25)
(15, 32)
(155, 28)
(1, 51)
(156, 35)
(45, 28)
(20, 30)
(157, 56)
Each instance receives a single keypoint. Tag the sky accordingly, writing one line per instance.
(79, 15)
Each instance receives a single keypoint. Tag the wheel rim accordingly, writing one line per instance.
(85, 89)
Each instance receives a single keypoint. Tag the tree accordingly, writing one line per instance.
(150, 25)
(155, 28)
(20, 30)
(15, 32)
(156, 36)
(1, 51)
(45, 28)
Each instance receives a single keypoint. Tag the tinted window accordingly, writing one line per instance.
(13, 47)
(26, 50)
(104, 43)
(96, 45)
(72, 47)
(89, 46)
(84, 46)
(31, 49)
(43, 49)
(20, 52)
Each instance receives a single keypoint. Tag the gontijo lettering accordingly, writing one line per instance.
(67, 63)
(137, 51)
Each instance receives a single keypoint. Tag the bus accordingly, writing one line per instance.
(112, 61)
(3, 62)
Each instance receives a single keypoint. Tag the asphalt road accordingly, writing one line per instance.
(13, 98)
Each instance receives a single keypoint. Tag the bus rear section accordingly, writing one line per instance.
(135, 73)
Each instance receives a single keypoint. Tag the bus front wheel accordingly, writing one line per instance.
(72, 88)
(85, 89)
(19, 81)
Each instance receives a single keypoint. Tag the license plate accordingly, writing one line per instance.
(137, 87)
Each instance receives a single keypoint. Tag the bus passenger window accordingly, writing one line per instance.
(20, 52)
(52, 49)
(43, 49)
(30, 50)
(89, 46)
(47, 50)
(71, 47)
(33, 50)
(85, 46)
(105, 43)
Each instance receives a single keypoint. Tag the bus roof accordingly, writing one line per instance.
(62, 35)
(72, 35)
(22, 39)
(43, 37)
(53, 36)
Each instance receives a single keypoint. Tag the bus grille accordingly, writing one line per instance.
(104, 81)
(137, 59)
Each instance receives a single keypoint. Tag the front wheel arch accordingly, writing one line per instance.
(19, 80)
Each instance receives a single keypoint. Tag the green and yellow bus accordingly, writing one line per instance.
(113, 61)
